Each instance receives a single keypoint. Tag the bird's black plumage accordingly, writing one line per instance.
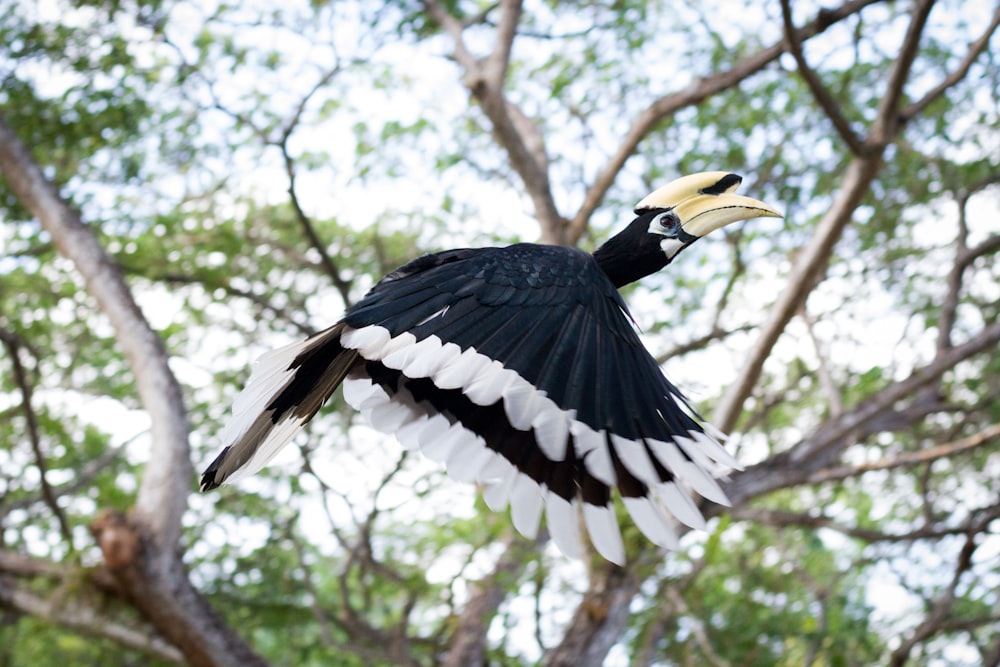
(518, 367)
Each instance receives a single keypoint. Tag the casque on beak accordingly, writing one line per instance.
(706, 201)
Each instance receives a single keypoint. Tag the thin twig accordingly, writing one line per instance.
(826, 381)
(700, 342)
(329, 266)
(10, 342)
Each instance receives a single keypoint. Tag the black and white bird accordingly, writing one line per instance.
(519, 368)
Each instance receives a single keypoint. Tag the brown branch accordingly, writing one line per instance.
(153, 574)
(984, 437)
(467, 644)
(694, 94)
(599, 619)
(499, 59)
(942, 607)
(804, 520)
(989, 246)
(887, 121)
(513, 130)
(163, 493)
(329, 266)
(12, 343)
(812, 261)
(836, 430)
(21, 565)
(973, 53)
(796, 465)
(991, 657)
(810, 265)
(91, 621)
(819, 92)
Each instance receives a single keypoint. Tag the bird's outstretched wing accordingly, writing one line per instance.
(516, 367)
(519, 368)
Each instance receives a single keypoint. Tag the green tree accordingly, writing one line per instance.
(186, 186)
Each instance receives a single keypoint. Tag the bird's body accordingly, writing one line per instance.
(517, 367)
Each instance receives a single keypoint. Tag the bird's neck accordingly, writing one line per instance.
(629, 256)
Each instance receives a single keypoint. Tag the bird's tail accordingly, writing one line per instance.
(286, 388)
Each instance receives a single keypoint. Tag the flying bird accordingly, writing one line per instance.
(521, 369)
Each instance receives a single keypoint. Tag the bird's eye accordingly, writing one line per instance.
(668, 221)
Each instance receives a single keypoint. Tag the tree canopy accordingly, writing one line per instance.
(187, 185)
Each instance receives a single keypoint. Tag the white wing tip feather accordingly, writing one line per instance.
(602, 525)
(275, 441)
(467, 458)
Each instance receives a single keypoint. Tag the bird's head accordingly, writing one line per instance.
(673, 217)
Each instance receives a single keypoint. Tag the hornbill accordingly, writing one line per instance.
(519, 368)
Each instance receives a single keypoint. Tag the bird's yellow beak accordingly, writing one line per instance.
(706, 201)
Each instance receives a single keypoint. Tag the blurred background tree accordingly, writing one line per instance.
(186, 185)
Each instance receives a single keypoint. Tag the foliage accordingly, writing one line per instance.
(209, 147)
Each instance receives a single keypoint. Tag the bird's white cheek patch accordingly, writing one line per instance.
(671, 247)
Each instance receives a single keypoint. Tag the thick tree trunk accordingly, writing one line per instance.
(141, 550)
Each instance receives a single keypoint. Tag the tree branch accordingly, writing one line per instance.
(329, 266)
(12, 343)
(948, 449)
(467, 644)
(695, 93)
(812, 261)
(973, 53)
(938, 614)
(163, 494)
(87, 620)
(142, 550)
(819, 92)
(810, 264)
(887, 121)
(599, 619)
(513, 130)
(700, 342)
(811, 521)
(796, 465)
